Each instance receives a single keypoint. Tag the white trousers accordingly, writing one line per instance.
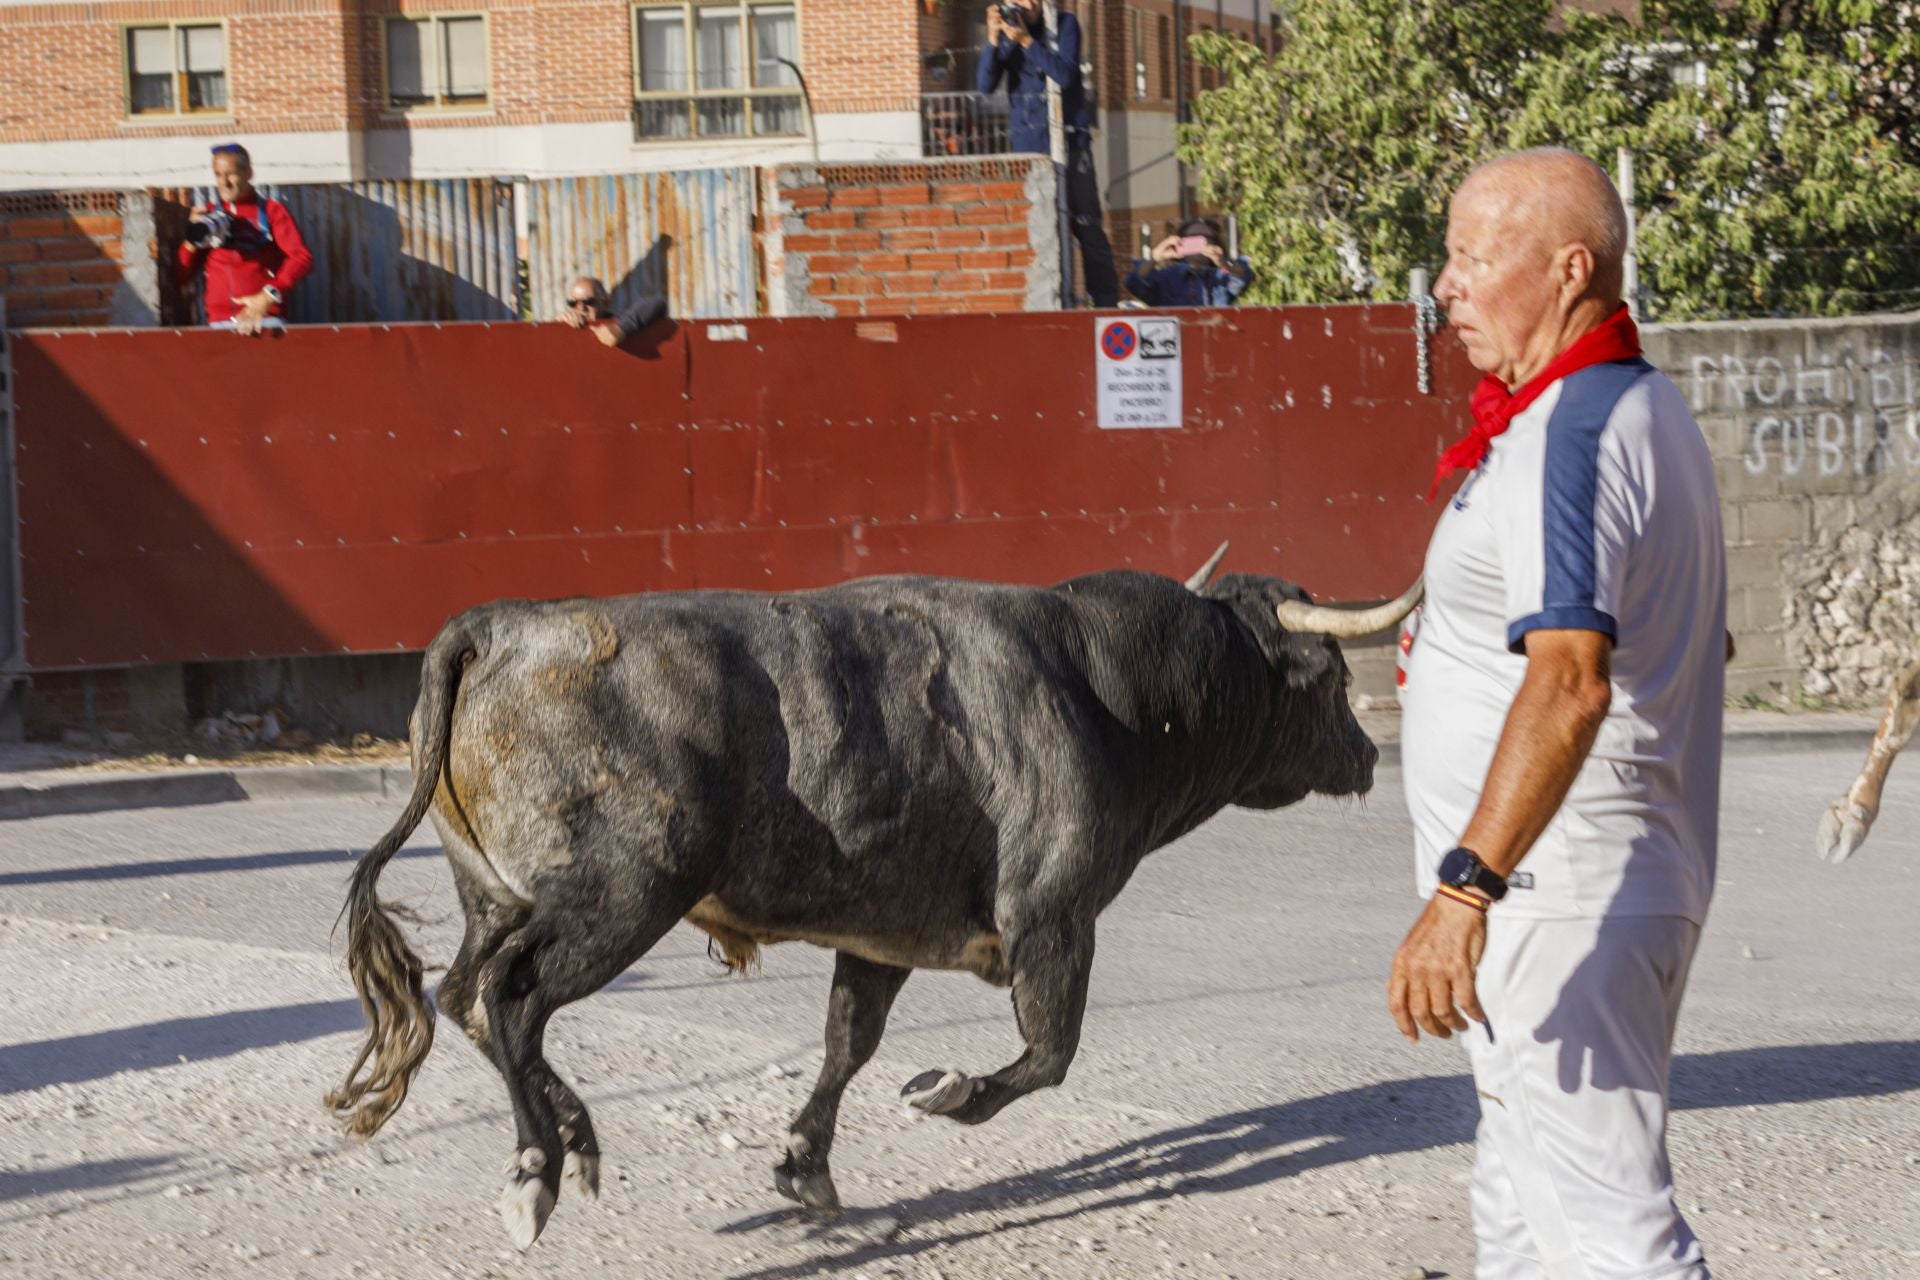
(1572, 1181)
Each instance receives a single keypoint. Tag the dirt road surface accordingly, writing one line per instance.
(175, 1006)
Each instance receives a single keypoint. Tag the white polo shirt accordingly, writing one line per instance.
(1596, 510)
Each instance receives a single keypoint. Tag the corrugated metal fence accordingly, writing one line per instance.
(422, 249)
(688, 235)
(446, 249)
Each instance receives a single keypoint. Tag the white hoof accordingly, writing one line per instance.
(935, 1093)
(524, 1208)
(581, 1175)
(1843, 829)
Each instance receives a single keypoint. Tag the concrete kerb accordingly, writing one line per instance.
(58, 794)
(53, 794)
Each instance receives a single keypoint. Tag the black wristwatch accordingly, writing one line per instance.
(1463, 869)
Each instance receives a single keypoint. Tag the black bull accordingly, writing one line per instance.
(917, 773)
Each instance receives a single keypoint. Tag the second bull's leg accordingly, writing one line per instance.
(1844, 826)
(863, 992)
(1051, 959)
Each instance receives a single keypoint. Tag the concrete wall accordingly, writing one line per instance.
(1816, 439)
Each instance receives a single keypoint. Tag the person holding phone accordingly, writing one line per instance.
(1190, 269)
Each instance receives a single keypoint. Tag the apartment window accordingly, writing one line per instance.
(716, 70)
(1137, 36)
(1164, 46)
(177, 69)
(436, 61)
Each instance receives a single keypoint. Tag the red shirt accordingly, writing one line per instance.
(240, 272)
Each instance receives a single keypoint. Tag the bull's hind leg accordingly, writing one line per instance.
(1844, 826)
(577, 939)
(863, 992)
(1051, 960)
(488, 926)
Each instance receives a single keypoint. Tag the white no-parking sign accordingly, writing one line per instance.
(1136, 366)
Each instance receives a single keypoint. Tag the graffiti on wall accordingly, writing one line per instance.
(1828, 415)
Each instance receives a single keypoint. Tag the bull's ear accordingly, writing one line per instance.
(1309, 660)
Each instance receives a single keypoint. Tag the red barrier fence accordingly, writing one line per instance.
(190, 495)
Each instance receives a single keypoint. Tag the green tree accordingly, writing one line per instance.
(1776, 142)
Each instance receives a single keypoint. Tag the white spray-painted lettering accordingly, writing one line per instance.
(1827, 416)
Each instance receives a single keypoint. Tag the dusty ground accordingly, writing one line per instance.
(1240, 1107)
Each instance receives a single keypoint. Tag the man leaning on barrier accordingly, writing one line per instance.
(590, 307)
(246, 248)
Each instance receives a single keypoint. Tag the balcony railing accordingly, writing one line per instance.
(963, 124)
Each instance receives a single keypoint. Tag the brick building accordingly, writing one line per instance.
(128, 93)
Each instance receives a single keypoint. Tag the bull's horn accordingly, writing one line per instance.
(1199, 579)
(1349, 624)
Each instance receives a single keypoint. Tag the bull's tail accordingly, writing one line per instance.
(385, 970)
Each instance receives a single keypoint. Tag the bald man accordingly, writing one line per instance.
(1561, 741)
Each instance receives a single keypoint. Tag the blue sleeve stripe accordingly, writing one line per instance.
(1565, 617)
(1572, 480)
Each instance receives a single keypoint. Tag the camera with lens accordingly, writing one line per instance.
(211, 230)
(1012, 14)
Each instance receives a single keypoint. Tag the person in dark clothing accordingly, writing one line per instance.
(1032, 48)
(1190, 270)
(588, 306)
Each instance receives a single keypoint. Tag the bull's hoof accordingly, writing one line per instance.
(937, 1093)
(525, 1205)
(580, 1175)
(814, 1190)
(1843, 829)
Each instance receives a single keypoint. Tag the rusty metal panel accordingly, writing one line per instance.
(179, 504)
(410, 250)
(688, 235)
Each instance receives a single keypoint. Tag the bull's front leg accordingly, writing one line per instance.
(1050, 961)
(1844, 826)
(863, 992)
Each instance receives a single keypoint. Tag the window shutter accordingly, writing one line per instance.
(410, 74)
(775, 36)
(721, 65)
(205, 49)
(466, 49)
(150, 51)
(663, 51)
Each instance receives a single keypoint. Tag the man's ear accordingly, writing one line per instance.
(1573, 270)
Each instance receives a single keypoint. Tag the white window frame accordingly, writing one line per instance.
(438, 46)
(181, 111)
(693, 95)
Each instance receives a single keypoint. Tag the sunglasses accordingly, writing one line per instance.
(584, 302)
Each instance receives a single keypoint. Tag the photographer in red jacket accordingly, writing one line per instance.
(248, 247)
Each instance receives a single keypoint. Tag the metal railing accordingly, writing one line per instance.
(963, 124)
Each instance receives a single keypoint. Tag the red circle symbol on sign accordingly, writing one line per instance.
(1118, 340)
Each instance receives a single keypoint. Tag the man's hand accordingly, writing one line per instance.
(573, 318)
(1020, 34)
(996, 27)
(253, 310)
(1218, 253)
(609, 333)
(1432, 985)
(1167, 250)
